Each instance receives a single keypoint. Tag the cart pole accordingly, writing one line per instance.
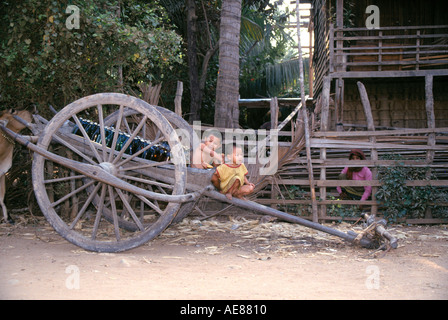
(246, 204)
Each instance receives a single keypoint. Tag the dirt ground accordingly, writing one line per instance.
(225, 258)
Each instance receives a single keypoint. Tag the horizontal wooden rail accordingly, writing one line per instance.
(347, 144)
(378, 133)
(388, 48)
(361, 183)
(392, 37)
(392, 28)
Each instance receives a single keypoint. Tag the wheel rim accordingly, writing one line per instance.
(92, 214)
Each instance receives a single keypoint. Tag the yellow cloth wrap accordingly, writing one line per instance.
(228, 176)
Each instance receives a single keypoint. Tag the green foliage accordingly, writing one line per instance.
(259, 57)
(402, 201)
(293, 192)
(343, 211)
(116, 46)
(283, 78)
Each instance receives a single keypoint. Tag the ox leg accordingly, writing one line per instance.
(2, 197)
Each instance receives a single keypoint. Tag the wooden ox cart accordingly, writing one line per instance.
(110, 173)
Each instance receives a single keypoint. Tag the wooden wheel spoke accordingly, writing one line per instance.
(126, 125)
(138, 152)
(63, 179)
(160, 189)
(149, 203)
(73, 148)
(99, 211)
(114, 212)
(117, 127)
(146, 181)
(71, 194)
(102, 131)
(87, 138)
(84, 207)
(130, 210)
(130, 140)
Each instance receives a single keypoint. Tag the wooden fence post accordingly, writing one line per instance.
(371, 127)
(324, 118)
(274, 112)
(178, 98)
(303, 99)
(431, 120)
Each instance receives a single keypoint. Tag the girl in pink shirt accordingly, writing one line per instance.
(355, 173)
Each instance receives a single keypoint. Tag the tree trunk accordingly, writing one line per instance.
(227, 89)
(195, 91)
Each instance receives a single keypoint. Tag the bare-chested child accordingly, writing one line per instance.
(205, 156)
(230, 178)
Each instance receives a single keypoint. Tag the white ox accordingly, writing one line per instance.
(7, 147)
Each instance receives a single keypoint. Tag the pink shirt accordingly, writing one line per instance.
(364, 174)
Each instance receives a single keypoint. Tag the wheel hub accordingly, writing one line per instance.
(109, 168)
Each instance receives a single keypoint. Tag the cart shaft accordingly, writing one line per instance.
(246, 204)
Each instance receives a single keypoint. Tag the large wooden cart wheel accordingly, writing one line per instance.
(188, 138)
(137, 145)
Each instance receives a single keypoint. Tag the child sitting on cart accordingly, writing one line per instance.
(230, 178)
(205, 155)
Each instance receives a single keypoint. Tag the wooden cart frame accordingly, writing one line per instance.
(100, 196)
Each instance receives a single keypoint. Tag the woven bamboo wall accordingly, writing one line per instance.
(396, 103)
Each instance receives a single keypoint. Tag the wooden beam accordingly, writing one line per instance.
(431, 120)
(362, 183)
(274, 112)
(324, 120)
(339, 34)
(305, 118)
(339, 103)
(325, 113)
(388, 74)
(371, 127)
(178, 98)
(349, 144)
(335, 134)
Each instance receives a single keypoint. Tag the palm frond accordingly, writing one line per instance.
(284, 76)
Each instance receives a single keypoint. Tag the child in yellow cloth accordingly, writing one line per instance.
(230, 178)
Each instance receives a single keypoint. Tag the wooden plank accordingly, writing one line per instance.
(336, 163)
(348, 144)
(393, 28)
(339, 103)
(274, 113)
(362, 183)
(336, 134)
(431, 120)
(322, 202)
(324, 119)
(290, 116)
(325, 104)
(371, 127)
(393, 53)
(388, 74)
(392, 37)
(429, 105)
(393, 63)
(305, 117)
(178, 98)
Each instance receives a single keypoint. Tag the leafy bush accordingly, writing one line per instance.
(401, 201)
(116, 46)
